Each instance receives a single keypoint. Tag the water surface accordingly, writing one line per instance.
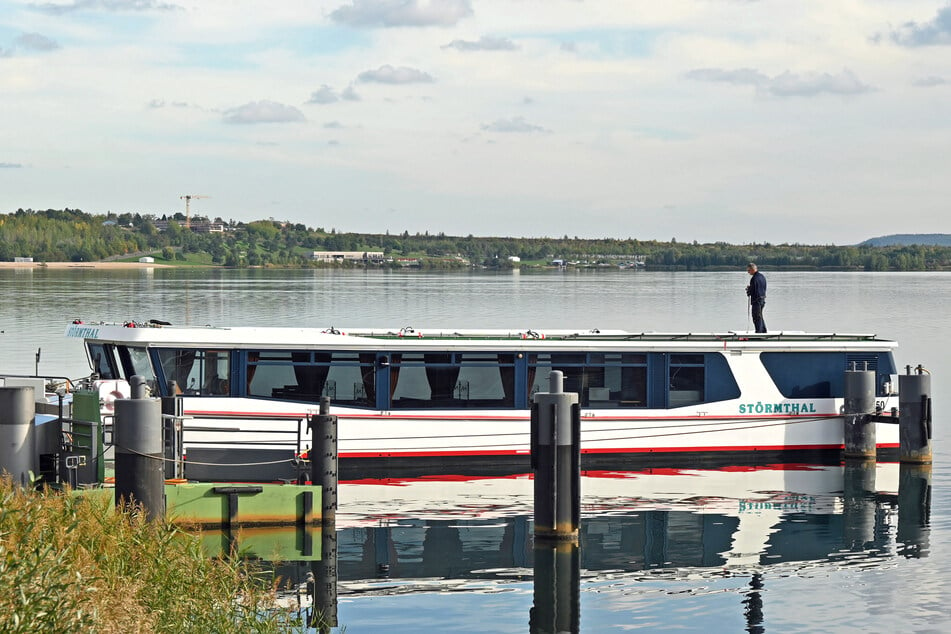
(781, 550)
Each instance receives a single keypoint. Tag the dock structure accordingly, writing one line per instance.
(71, 450)
(913, 416)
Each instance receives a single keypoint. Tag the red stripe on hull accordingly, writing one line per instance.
(619, 450)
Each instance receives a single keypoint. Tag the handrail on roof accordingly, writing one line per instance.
(593, 334)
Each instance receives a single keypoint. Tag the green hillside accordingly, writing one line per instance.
(70, 235)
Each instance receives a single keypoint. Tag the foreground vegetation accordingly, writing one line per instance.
(72, 564)
(71, 235)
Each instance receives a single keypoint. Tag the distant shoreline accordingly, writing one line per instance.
(82, 265)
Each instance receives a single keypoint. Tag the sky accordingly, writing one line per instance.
(739, 121)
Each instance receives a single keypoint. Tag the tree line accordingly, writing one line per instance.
(71, 235)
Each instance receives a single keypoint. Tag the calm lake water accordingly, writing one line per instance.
(776, 549)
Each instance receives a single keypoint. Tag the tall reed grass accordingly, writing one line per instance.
(70, 563)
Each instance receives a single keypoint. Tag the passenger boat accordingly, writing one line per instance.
(412, 400)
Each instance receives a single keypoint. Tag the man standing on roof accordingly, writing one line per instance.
(757, 293)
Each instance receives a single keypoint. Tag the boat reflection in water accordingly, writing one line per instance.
(636, 520)
(457, 534)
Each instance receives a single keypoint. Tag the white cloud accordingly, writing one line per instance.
(35, 42)
(390, 75)
(263, 112)
(161, 103)
(327, 95)
(936, 32)
(323, 95)
(106, 5)
(485, 43)
(930, 81)
(399, 13)
(787, 84)
(349, 94)
(514, 124)
(795, 85)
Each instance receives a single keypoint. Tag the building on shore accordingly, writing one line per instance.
(366, 257)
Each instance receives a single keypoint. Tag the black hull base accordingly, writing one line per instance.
(244, 465)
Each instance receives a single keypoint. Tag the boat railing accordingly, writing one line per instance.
(214, 444)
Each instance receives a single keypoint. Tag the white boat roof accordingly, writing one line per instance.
(251, 337)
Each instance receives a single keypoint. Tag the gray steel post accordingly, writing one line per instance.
(17, 436)
(914, 416)
(323, 457)
(323, 428)
(556, 459)
(140, 473)
(859, 431)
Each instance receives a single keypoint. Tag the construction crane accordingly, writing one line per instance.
(188, 198)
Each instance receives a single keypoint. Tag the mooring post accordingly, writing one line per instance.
(556, 460)
(859, 431)
(17, 435)
(137, 435)
(914, 416)
(323, 428)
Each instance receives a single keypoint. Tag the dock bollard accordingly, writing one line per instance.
(556, 461)
(17, 436)
(859, 431)
(137, 436)
(914, 416)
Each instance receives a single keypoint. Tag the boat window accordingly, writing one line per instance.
(135, 361)
(452, 380)
(602, 380)
(196, 372)
(347, 378)
(686, 376)
(822, 374)
(102, 360)
(719, 383)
